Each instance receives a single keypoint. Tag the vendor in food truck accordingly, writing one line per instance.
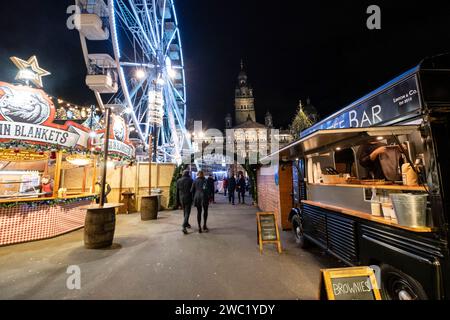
(369, 159)
(382, 161)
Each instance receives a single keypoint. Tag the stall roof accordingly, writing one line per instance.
(339, 138)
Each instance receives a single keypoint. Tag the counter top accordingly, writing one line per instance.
(367, 216)
(14, 200)
(376, 186)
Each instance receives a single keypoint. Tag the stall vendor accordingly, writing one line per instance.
(46, 185)
(98, 190)
(381, 161)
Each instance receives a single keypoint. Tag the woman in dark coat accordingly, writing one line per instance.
(201, 200)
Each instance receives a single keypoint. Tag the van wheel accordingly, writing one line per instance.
(297, 228)
(397, 285)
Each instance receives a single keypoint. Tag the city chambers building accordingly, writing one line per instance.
(246, 130)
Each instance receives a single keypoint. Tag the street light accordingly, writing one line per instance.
(140, 74)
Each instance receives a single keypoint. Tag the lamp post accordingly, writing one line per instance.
(150, 203)
(100, 221)
(105, 157)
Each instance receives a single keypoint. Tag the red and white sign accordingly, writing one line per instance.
(27, 114)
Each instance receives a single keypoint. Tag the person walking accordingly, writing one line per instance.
(200, 190)
(231, 189)
(184, 197)
(225, 186)
(211, 188)
(241, 188)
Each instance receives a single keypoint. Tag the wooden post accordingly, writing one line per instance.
(136, 185)
(83, 186)
(46, 167)
(105, 157)
(150, 155)
(157, 175)
(120, 183)
(57, 180)
(94, 174)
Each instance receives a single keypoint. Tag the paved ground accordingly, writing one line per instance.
(154, 260)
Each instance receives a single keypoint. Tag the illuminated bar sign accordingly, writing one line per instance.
(387, 104)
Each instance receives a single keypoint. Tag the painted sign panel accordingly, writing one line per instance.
(401, 99)
(27, 114)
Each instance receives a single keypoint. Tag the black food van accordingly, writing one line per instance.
(368, 212)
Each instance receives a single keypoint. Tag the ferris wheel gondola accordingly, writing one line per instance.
(134, 58)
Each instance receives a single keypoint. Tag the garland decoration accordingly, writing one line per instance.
(18, 145)
(49, 202)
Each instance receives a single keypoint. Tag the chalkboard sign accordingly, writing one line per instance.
(267, 230)
(358, 283)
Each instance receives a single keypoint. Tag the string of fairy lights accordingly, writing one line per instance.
(66, 110)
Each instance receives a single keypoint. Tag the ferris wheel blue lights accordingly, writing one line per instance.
(147, 53)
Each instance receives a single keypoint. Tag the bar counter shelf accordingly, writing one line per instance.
(35, 199)
(367, 216)
(376, 186)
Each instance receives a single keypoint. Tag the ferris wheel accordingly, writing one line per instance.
(134, 59)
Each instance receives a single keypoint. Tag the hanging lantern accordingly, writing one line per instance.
(155, 105)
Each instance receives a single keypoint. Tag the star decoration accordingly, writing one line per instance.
(30, 70)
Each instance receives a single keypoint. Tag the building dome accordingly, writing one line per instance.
(310, 110)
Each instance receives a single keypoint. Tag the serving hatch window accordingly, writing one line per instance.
(26, 175)
(344, 161)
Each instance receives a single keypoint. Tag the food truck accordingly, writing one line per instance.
(372, 183)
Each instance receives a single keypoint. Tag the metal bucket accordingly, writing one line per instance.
(410, 209)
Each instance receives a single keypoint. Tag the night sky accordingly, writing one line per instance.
(292, 50)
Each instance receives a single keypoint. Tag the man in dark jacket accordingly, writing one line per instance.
(231, 188)
(241, 184)
(184, 197)
(211, 188)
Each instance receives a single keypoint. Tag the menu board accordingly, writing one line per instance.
(357, 283)
(267, 229)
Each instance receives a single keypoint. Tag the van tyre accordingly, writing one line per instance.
(297, 228)
(397, 285)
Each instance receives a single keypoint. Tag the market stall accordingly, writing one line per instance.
(34, 152)
(370, 183)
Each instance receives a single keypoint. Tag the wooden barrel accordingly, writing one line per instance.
(99, 227)
(149, 208)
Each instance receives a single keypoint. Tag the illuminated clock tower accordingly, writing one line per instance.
(244, 102)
